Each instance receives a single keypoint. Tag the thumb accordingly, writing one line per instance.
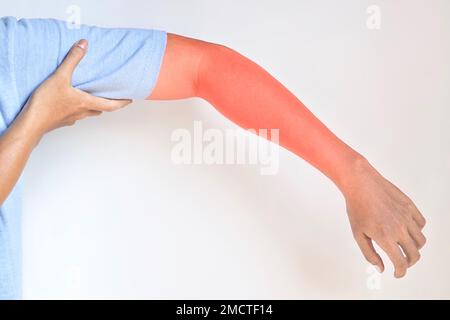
(72, 59)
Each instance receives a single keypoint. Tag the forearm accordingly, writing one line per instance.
(251, 97)
(16, 145)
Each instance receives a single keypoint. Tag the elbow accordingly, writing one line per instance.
(217, 64)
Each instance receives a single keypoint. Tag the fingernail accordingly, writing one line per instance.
(378, 269)
(82, 44)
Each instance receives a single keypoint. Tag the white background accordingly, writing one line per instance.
(107, 214)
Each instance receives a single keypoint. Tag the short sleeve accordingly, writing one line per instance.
(120, 62)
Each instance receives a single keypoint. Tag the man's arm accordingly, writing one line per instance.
(54, 104)
(16, 145)
(248, 95)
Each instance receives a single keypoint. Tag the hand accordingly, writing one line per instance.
(56, 103)
(378, 211)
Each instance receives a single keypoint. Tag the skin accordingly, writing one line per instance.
(377, 210)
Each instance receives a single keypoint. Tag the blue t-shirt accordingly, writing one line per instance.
(120, 63)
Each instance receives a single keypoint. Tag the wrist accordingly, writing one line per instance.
(356, 168)
(26, 129)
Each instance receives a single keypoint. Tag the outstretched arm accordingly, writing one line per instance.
(248, 95)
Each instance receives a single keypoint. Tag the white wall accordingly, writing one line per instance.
(108, 215)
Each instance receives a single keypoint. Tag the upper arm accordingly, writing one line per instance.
(120, 63)
(179, 71)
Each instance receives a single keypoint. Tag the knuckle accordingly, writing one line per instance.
(422, 241)
(60, 77)
(402, 231)
(84, 104)
(404, 234)
(410, 205)
(401, 267)
(414, 258)
(77, 51)
(380, 233)
(423, 221)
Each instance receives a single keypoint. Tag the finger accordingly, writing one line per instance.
(416, 234)
(396, 256)
(102, 104)
(369, 252)
(419, 218)
(409, 248)
(72, 59)
(87, 114)
(93, 113)
(417, 215)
